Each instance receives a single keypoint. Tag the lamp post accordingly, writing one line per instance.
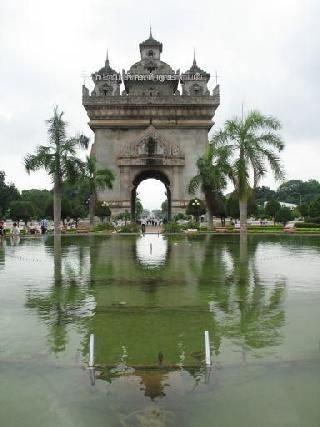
(196, 204)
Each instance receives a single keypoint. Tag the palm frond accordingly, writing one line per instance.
(42, 159)
(56, 127)
(274, 163)
(104, 179)
(72, 168)
(194, 184)
(271, 139)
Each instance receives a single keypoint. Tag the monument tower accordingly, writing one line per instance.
(157, 127)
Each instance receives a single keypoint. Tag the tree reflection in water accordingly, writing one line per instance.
(243, 309)
(100, 287)
(67, 301)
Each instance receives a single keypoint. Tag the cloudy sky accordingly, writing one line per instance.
(266, 54)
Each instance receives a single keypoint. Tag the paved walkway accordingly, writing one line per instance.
(153, 230)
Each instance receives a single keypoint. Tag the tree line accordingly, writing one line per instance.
(241, 152)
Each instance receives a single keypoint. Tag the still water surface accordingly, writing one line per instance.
(148, 301)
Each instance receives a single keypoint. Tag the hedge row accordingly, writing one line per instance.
(307, 225)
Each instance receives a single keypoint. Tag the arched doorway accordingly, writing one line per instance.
(150, 174)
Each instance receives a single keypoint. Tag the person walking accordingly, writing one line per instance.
(15, 230)
(44, 225)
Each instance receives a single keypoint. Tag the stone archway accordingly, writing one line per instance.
(142, 176)
(151, 126)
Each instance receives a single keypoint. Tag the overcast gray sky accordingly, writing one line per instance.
(266, 54)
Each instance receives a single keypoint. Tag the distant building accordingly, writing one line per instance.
(291, 206)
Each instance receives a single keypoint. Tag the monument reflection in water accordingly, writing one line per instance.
(148, 301)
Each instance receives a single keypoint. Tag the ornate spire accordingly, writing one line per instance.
(195, 69)
(107, 58)
(151, 42)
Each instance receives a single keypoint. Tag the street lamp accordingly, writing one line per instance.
(196, 204)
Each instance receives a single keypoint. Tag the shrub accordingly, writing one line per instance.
(172, 227)
(284, 215)
(104, 226)
(190, 224)
(307, 225)
(129, 228)
(315, 220)
(265, 227)
(180, 216)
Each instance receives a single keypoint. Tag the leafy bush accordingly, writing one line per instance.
(308, 230)
(104, 226)
(190, 224)
(315, 220)
(172, 227)
(102, 210)
(129, 228)
(264, 227)
(307, 225)
(180, 216)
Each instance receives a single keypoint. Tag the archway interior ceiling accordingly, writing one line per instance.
(151, 174)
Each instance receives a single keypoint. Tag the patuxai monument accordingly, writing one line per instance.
(156, 127)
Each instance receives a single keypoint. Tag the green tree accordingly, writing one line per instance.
(21, 210)
(304, 209)
(102, 211)
(58, 159)
(232, 205)
(298, 192)
(165, 209)
(314, 209)
(8, 193)
(251, 143)
(138, 208)
(211, 179)
(77, 195)
(98, 179)
(39, 198)
(272, 208)
(283, 215)
(264, 194)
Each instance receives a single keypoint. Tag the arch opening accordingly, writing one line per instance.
(152, 188)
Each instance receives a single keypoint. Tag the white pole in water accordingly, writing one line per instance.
(91, 351)
(207, 348)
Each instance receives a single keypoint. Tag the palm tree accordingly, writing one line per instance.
(250, 144)
(58, 159)
(211, 179)
(98, 180)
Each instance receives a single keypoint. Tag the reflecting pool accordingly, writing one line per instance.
(148, 300)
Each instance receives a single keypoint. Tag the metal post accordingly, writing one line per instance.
(207, 348)
(91, 351)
